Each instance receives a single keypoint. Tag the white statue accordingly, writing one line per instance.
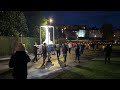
(47, 39)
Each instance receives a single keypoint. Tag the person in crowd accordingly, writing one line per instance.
(18, 62)
(40, 50)
(35, 49)
(64, 50)
(58, 50)
(54, 49)
(69, 46)
(44, 53)
(82, 48)
(77, 53)
(49, 52)
(107, 51)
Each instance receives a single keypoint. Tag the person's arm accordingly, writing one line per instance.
(11, 62)
(27, 58)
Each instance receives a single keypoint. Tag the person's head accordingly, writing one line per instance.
(35, 43)
(44, 44)
(20, 47)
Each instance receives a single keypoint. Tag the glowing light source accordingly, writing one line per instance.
(47, 39)
(95, 35)
(51, 20)
(81, 33)
(62, 30)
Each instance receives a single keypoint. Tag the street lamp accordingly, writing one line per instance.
(49, 57)
(50, 21)
(95, 36)
(62, 33)
(62, 30)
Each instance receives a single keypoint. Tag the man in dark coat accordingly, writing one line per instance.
(107, 50)
(77, 53)
(64, 50)
(58, 50)
(18, 62)
(35, 52)
(44, 52)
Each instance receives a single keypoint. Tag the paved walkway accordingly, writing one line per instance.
(4, 63)
(35, 72)
(8, 57)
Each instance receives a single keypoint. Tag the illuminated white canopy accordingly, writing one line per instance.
(47, 39)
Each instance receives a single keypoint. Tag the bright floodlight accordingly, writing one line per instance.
(62, 30)
(51, 20)
(95, 35)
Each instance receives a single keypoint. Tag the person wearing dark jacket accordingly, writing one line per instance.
(35, 52)
(64, 50)
(44, 52)
(77, 53)
(18, 62)
(58, 50)
(107, 51)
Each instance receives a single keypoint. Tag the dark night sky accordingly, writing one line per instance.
(90, 18)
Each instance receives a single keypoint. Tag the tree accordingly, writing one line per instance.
(57, 33)
(36, 32)
(107, 31)
(44, 22)
(12, 23)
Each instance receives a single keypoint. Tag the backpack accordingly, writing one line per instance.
(65, 49)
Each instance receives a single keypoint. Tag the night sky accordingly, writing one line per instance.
(91, 18)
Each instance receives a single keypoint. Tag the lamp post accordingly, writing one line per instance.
(21, 37)
(50, 21)
(95, 37)
(49, 56)
(62, 33)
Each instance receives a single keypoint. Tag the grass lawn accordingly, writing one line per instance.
(95, 69)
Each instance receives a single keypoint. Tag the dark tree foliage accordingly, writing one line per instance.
(13, 23)
(107, 31)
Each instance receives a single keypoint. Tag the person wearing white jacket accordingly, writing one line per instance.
(69, 46)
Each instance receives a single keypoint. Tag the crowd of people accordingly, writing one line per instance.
(20, 58)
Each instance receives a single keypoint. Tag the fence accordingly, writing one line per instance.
(8, 44)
